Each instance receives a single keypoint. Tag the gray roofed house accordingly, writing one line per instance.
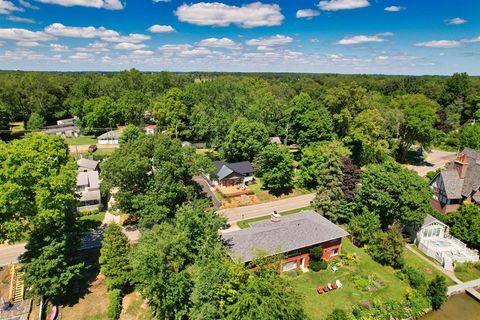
(88, 189)
(85, 164)
(459, 182)
(110, 137)
(236, 173)
(292, 235)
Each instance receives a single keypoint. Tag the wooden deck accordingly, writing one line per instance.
(233, 191)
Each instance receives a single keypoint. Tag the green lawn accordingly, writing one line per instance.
(430, 272)
(17, 126)
(246, 223)
(81, 140)
(320, 306)
(256, 186)
(467, 271)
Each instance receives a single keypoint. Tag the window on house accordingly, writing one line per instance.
(333, 252)
(289, 266)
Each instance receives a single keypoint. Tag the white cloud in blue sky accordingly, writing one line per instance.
(344, 36)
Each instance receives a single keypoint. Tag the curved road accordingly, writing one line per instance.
(263, 209)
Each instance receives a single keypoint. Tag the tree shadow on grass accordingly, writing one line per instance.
(280, 192)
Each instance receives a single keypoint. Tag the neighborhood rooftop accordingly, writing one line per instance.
(225, 168)
(292, 232)
(87, 163)
(89, 179)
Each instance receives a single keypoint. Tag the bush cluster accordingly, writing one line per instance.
(115, 304)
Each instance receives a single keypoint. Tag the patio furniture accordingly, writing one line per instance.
(329, 286)
(334, 286)
(320, 290)
(325, 289)
(338, 283)
(334, 268)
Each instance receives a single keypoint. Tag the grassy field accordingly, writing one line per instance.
(467, 271)
(430, 272)
(81, 140)
(246, 223)
(320, 306)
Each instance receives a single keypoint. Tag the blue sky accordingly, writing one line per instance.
(341, 36)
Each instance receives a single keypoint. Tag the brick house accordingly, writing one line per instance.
(459, 182)
(232, 174)
(291, 235)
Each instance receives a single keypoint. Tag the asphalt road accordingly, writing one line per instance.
(435, 159)
(263, 209)
(10, 253)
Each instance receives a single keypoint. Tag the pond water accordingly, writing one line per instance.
(460, 306)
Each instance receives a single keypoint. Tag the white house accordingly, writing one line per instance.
(110, 137)
(88, 189)
(433, 239)
(150, 129)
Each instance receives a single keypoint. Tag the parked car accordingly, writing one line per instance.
(92, 148)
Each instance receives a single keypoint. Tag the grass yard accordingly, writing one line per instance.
(430, 272)
(467, 271)
(17, 126)
(81, 140)
(246, 223)
(320, 306)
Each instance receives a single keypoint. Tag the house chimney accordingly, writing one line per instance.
(461, 164)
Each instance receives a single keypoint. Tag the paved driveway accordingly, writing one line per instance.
(436, 159)
(10, 253)
(263, 209)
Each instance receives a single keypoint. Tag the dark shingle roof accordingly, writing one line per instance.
(292, 232)
(225, 168)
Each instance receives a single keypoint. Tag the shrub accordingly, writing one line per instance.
(85, 213)
(437, 292)
(323, 264)
(315, 266)
(316, 253)
(362, 283)
(294, 273)
(416, 278)
(115, 304)
(339, 314)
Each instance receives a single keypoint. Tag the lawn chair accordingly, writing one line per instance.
(325, 289)
(329, 286)
(320, 290)
(334, 286)
(334, 268)
(338, 283)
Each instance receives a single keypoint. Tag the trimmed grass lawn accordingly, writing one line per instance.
(430, 272)
(467, 271)
(246, 223)
(81, 140)
(319, 306)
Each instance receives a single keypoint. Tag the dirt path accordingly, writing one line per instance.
(80, 148)
(436, 159)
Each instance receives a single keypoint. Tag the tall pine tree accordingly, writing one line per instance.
(329, 191)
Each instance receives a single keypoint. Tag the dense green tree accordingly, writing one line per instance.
(308, 121)
(35, 122)
(387, 247)
(419, 116)
(100, 114)
(367, 137)
(130, 133)
(437, 291)
(313, 158)
(132, 105)
(267, 296)
(274, 165)
(465, 224)
(171, 111)
(457, 88)
(363, 226)
(159, 272)
(114, 257)
(244, 140)
(394, 193)
(470, 136)
(5, 117)
(329, 191)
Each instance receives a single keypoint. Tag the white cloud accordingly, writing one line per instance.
(96, 47)
(174, 47)
(334, 5)
(129, 46)
(394, 8)
(20, 19)
(250, 15)
(24, 35)
(6, 7)
(156, 28)
(200, 51)
(55, 47)
(30, 44)
(28, 5)
(82, 56)
(105, 4)
(156, 1)
(58, 29)
(219, 43)
(307, 13)
(379, 37)
(143, 52)
(455, 21)
(444, 44)
(265, 43)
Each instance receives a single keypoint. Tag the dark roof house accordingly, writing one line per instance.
(459, 182)
(294, 233)
(233, 173)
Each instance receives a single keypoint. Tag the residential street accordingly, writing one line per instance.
(10, 253)
(258, 210)
(435, 159)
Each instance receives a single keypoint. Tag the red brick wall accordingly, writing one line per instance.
(329, 246)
